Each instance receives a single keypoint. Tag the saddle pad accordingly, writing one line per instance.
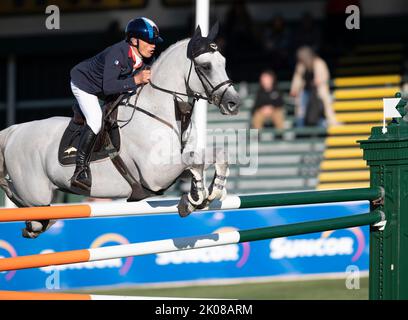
(70, 141)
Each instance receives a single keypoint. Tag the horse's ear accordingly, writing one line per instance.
(214, 31)
(197, 32)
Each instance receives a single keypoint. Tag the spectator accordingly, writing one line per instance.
(268, 103)
(310, 87)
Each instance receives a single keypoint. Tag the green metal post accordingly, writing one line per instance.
(387, 156)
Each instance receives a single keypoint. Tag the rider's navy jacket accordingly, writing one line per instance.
(109, 72)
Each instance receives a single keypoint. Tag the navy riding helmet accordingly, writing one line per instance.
(144, 29)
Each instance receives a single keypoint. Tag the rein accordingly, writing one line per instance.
(192, 94)
(135, 108)
(211, 97)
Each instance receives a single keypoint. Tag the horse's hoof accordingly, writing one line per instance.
(29, 234)
(217, 193)
(34, 228)
(204, 204)
(185, 207)
(223, 194)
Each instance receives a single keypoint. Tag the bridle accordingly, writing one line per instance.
(211, 95)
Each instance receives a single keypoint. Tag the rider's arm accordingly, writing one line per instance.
(111, 82)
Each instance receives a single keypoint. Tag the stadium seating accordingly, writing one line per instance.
(365, 76)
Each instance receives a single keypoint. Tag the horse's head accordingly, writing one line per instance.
(207, 75)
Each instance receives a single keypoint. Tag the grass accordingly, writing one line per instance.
(325, 289)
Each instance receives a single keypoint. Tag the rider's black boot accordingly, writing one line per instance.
(82, 177)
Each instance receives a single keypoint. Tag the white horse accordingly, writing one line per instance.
(30, 172)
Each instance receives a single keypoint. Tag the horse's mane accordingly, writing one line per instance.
(166, 52)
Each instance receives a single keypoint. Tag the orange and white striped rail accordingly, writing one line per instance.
(118, 251)
(16, 295)
(106, 209)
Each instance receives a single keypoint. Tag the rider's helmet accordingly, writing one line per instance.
(143, 28)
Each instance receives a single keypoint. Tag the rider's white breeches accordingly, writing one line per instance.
(90, 107)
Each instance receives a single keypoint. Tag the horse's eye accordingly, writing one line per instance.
(206, 66)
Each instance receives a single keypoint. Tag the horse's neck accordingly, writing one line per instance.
(169, 73)
(169, 70)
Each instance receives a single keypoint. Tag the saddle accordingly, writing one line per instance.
(109, 133)
(107, 145)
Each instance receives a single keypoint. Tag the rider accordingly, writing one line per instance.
(117, 69)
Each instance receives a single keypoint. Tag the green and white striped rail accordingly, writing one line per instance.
(149, 207)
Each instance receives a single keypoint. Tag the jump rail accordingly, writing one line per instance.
(177, 244)
(119, 208)
(17, 295)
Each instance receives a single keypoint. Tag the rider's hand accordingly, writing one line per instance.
(142, 77)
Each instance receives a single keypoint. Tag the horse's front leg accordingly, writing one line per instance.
(199, 197)
(198, 193)
(217, 188)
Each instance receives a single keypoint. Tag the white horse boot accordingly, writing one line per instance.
(198, 192)
(197, 195)
(217, 188)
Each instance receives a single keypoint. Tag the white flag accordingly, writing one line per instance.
(389, 108)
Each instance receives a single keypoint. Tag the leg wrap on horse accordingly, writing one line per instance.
(217, 188)
(198, 193)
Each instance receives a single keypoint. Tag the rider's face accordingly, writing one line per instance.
(146, 49)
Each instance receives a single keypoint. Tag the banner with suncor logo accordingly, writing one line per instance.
(318, 253)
